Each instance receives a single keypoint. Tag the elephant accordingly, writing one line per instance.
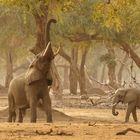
(130, 96)
(26, 91)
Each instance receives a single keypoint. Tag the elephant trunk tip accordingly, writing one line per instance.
(115, 113)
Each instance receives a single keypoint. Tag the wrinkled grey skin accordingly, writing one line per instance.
(130, 96)
(26, 91)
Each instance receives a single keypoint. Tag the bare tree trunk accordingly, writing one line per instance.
(79, 73)
(72, 75)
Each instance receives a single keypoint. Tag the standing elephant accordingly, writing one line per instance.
(27, 90)
(130, 96)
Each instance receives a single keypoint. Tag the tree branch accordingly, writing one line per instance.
(124, 132)
(82, 37)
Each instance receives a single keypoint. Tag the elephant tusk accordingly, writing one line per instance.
(114, 104)
(46, 48)
(57, 52)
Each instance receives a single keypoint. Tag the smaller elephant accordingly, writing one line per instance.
(130, 96)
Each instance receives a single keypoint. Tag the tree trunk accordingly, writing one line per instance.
(40, 32)
(72, 75)
(111, 67)
(103, 73)
(121, 69)
(130, 52)
(9, 67)
(82, 80)
(56, 86)
(66, 79)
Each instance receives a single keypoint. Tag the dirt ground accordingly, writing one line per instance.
(71, 124)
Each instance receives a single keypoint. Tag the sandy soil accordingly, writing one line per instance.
(85, 124)
(65, 131)
(69, 124)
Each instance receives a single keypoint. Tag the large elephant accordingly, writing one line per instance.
(130, 96)
(27, 90)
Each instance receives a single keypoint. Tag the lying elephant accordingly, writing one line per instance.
(26, 91)
(130, 96)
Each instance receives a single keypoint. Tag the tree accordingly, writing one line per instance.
(118, 22)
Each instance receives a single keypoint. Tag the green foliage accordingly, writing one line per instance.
(76, 20)
(118, 20)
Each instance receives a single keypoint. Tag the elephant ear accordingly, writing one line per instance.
(32, 75)
(130, 96)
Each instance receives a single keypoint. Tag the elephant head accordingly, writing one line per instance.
(40, 67)
(119, 96)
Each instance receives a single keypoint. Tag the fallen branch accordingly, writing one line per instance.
(53, 133)
(124, 132)
(92, 124)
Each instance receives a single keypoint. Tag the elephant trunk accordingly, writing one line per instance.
(114, 112)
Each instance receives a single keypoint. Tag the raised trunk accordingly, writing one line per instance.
(114, 112)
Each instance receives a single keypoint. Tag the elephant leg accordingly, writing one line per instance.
(48, 108)
(33, 106)
(12, 116)
(130, 108)
(134, 115)
(20, 117)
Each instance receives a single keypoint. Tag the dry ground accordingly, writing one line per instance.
(74, 124)
(90, 124)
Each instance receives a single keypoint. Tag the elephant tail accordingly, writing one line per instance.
(11, 103)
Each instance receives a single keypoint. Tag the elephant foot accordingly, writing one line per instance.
(33, 121)
(49, 120)
(20, 121)
(136, 121)
(9, 120)
(125, 122)
(12, 117)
